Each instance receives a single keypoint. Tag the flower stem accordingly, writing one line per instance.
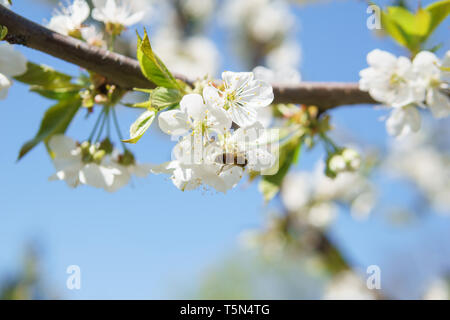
(97, 122)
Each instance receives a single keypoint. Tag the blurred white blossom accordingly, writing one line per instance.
(87, 164)
(194, 57)
(313, 192)
(348, 286)
(437, 290)
(69, 20)
(119, 13)
(12, 63)
(406, 86)
(424, 164)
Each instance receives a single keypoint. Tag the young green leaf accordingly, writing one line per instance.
(56, 120)
(3, 32)
(57, 93)
(162, 98)
(438, 12)
(140, 126)
(44, 76)
(152, 67)
(394, 30)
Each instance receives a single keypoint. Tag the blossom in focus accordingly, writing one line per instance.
(194, 115)
(242, 96)
(118, 14)
(280, 77)
(69, 20)
(187, 175)
(12, 63)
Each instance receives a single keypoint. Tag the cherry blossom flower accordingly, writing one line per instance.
(194, 116)
(391, 80)
(69, 20)
(186, 175)
(403, 121)
(285, 76)
(93, 36)
(427, 66)
(128, 167)
(118, 14)
(242, 96)
(12, 63)
(72, 164)
(87, 164)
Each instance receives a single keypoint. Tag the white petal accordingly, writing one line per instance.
(403, 121)
(174, 122)
(12, 62)
(62, 146)
(212, 97)
(262, 94)
(242, 116)
(98, 176)
(438, 102)
(5, 84)
(218, 119)
(381, 59)
(236, 80)
(81, 11)
(193, 106)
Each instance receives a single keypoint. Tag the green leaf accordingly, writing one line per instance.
(3, 32)
(56, 121)
(143, 105)
(394, 30)
(162, 98)
(57, 93)
(412, 24)
(44, 76)
(269, 186)
(438, 12)
(152, 67)
(140, 126)
(49, 83)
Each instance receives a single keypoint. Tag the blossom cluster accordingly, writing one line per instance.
(315, 196)
(97, 165)
(209, 152)
(406, 86)
(115, 14)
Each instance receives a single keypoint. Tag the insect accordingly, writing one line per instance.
(231, 159)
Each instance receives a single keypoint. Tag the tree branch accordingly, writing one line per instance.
(125, 72)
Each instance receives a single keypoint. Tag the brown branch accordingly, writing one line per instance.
(125, 72)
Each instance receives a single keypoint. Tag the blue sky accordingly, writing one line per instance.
(149, 239)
